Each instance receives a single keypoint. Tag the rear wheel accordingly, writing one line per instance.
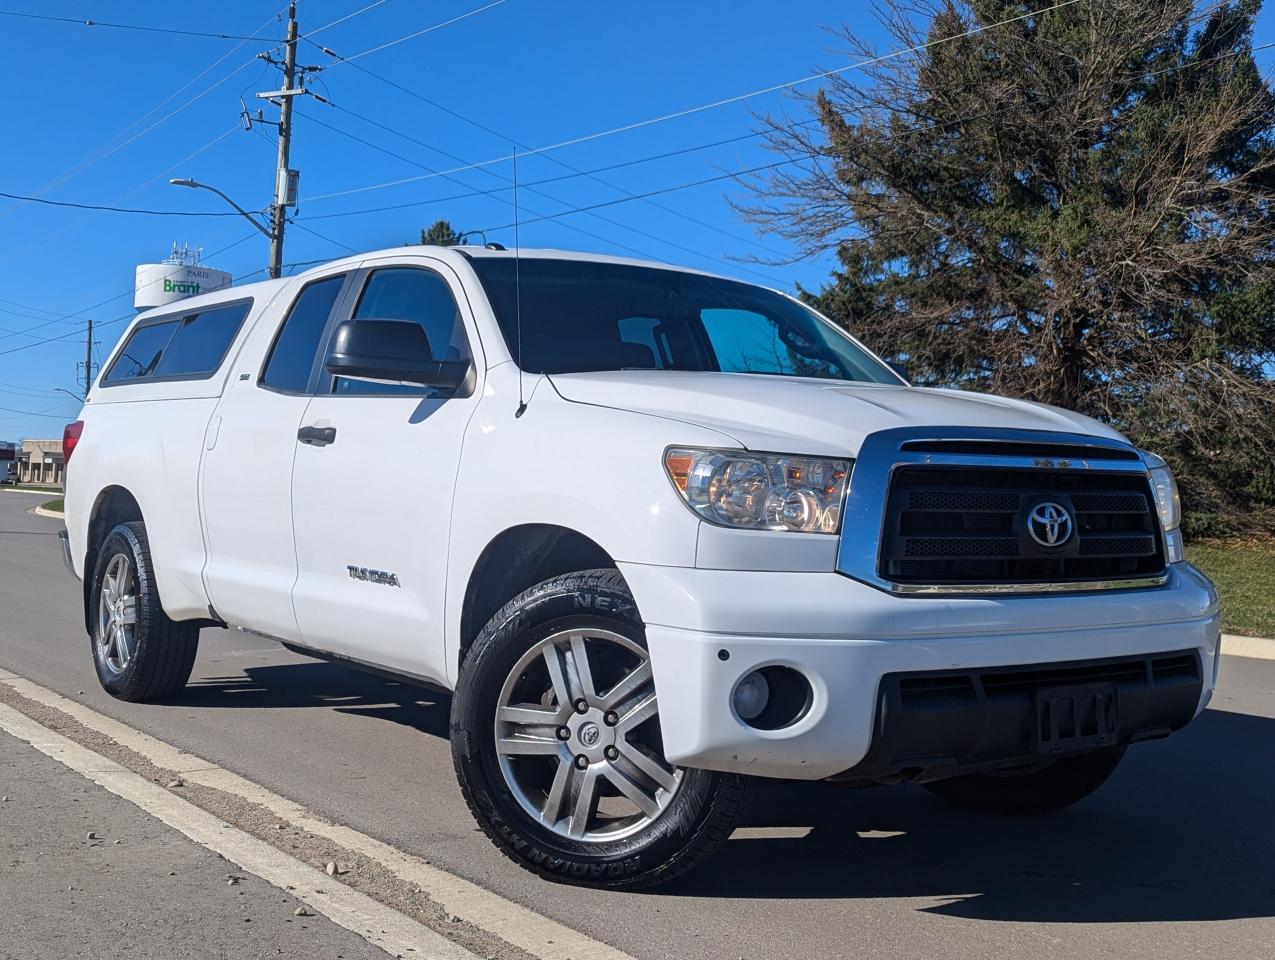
(1034, 791)
(557, 743)
(140, 654)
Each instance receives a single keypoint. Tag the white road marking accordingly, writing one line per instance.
(376, 923)
(518, 926)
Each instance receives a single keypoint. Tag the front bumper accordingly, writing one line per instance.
(64, 538)
(707, 629)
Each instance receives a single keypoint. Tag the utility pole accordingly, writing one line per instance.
(285, 191)
(88, 359)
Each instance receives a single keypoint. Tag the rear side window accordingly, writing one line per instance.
(142, 353)
(292, 357)
(188, 347)
(200, 342)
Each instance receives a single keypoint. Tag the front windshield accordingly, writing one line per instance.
(580, 315)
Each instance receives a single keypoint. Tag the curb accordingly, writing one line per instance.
(1257, 648)
(41, 512)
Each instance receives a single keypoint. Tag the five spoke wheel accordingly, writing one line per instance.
(574, 738)
(117, 614)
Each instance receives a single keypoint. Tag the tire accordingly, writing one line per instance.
(160, 652)
(1059, 785)
(675, 828)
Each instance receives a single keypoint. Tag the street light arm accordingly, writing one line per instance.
(265, 231)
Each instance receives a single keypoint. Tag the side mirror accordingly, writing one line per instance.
(901, 369)
(394, 351)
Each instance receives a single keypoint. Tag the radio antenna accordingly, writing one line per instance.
(522, 403)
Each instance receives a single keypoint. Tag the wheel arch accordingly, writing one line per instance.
(113, 505)
(515, 559)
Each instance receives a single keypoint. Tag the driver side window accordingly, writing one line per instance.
(410, 295)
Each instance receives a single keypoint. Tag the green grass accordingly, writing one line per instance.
(1245, 576)
(54, 505)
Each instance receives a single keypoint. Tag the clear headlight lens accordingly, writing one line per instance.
(1165, 490)
(761, 491)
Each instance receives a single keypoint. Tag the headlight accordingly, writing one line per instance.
(1165, 490)
(760, 491)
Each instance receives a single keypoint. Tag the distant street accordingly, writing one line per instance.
(1182, 833)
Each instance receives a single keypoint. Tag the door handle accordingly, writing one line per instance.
(317, 436)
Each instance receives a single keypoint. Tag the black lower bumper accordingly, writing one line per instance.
(937, 724)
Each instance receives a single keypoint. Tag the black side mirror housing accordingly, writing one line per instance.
(392, 350)
(901, 369)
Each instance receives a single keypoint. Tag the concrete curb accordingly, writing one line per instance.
(53, 492)
(41, 512)
(1257, 648)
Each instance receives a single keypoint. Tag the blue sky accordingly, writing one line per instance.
(534, 72)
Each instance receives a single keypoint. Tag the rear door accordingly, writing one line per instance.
(246, 480)
(372, 488)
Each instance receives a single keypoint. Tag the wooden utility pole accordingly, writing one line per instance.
(285, 184)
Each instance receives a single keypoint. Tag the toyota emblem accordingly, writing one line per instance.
(1049, 524)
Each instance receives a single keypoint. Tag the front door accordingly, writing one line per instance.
(246, 477)
(372, 487)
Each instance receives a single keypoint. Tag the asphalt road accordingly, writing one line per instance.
(1173, 858)
(135, 889)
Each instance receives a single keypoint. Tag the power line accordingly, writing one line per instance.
(90, 159)
(125, 26)
(109, 209)
(690, 111)
(421, 33)
(562, 163)
(416, 163)
(541, 193)
(348, 16)
(735, 174)
(315, 233)
(32, 413)
(120, 319)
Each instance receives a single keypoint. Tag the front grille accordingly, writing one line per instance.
(968, 525)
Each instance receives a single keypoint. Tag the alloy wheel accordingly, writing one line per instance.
(577, 737)
(117, 615)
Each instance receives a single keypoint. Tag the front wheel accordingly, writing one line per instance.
(140, 654)
(556, 741)
(1038, 790)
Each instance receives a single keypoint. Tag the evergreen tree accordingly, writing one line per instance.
(1074, 208)
(441, 234)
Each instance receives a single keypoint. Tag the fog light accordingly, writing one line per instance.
(751, 696)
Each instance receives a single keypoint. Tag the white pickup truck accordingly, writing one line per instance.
(659, 532)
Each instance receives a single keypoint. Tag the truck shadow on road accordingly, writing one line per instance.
(319, 684)
(1183, 831)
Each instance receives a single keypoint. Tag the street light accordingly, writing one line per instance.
(266, 231)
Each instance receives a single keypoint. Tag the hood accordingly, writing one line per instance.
(798, 415)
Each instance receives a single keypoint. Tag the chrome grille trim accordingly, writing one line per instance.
(862, 529)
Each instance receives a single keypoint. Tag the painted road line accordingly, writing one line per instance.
(518, 926)
(376, 923)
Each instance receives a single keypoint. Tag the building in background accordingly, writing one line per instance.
(40, 462)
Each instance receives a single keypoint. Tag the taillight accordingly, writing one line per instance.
(70, 437)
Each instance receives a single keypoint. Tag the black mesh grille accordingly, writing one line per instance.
(948, 524)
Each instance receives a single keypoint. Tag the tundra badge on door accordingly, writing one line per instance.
(373, 576)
